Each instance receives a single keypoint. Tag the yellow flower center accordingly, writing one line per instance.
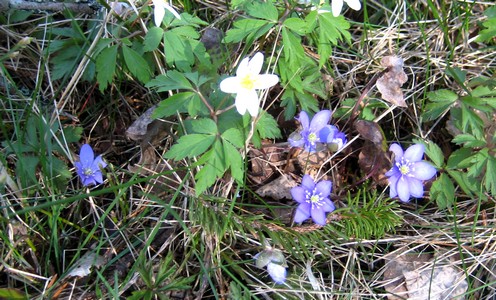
(315, 199)
(404, 169)
(248, 82)
(312, 137)
(88, 171)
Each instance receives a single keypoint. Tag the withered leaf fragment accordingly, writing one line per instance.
(389, 84)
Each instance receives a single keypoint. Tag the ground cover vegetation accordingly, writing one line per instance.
(249, 150)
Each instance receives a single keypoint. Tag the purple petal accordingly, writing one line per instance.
(326, 134)
(320, 120)
(394, 171)
(89, 180)
(98, 177)
(324, 187)
(423, 170)
(296, 140)
(298, 194)
(319, 216)
(302, 212)
(86, 155)
(307, 182)
(416, 187)
(397, 150)
(98, 163)
(328, 205)
(393, 182)
(414, 152)
(304, 120)
(403, 189)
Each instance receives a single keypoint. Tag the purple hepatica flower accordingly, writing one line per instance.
(408, 172)
(88, 167)
(314, 200)
(334, 138)
(309, 137)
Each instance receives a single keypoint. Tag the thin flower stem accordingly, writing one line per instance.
(210, 108)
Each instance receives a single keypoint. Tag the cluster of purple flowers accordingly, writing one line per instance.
(406, 177)
(317, 134)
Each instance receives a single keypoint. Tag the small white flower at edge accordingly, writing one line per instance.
(159, 11)
(247, 80)
(337, 6)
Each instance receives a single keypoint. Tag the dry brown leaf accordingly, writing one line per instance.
(278, 189)
(389, 84)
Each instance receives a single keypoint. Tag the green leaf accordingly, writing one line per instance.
(469, 186)
(468, 140)
(441, 101)
(178, 47)
(214, 167)
(489, 32)
(235, 137)
(455, 159)
(234, 160)
(263, 10)
(248, 29)
(136, 64)
(296, 25)
(490, 176)
(173, 104)
(12, 294)
(331, 29)
(207, 126)
(173, 80)
(190, 145)
(105, 66)
(443, 191)
(293, 49)
(153, 38)
(267, 127)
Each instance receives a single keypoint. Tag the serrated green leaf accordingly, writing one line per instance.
(153, 38)
(293, 49)
(235, 137)
(179, 48)
(442, 100)
(296, 25)
(172, 105)
(433, 151)
(263, 10)
(443, 191)
(455, 159)
(234, 160)
(468, 140)
(247, 29)
(136, 64)
(105, 66)
(479, 162)
(489, 32)
(330, 30)
(190, 145)
(267, 127)
(207, 126)
(173, 80)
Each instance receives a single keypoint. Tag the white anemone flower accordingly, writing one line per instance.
(247, 80)
(337, 6)
(159, 11)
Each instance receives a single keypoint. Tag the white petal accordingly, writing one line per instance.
(336, 6)
(230, 85)
(256, 63)
(243, 67)
(253, 105)
(158, 12)
(175, 13)
(266, 81)
(354, 4)
(247, 100)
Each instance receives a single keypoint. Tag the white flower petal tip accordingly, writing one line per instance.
(159, 11)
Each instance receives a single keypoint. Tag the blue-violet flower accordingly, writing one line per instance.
(408, 172)
(334, 138)
(309, 137)
(88, 167)
(313, 199)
